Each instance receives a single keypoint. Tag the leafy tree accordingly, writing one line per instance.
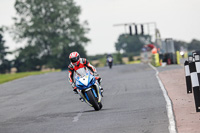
(194, 45)
(133, 43)
(53, 27)
(118, 58)
(64, 55)
(2, 47)
(179, 44)
(28, 59)
(5, 65)
(130, 57)
(96, 57)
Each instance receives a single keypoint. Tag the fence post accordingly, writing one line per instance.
(197, 64)
(178, 57)
(195, 85)
(187, 77)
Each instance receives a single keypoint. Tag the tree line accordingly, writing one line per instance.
(132, 44)
(51, 30)
(193, 45)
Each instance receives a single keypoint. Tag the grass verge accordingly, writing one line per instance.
(9, 77)
(134, 62)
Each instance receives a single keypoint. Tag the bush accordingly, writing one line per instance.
(130, 57)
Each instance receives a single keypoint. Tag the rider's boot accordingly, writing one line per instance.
(99, 81)
(101, 89)
(81, 99)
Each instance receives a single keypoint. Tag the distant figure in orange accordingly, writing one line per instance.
(152, 48)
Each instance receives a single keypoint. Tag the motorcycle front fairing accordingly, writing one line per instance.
(109, 59)
(86, 82)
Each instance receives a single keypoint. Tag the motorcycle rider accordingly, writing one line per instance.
(77, 63)
(109, 55)
(109, 60)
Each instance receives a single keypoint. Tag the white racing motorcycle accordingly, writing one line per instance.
(88, 88)
(110, 62)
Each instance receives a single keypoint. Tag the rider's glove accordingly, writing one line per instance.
(75, 91)
(73, 85)
(74, 88)
(96, 74)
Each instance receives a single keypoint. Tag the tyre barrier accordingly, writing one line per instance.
(192, 74)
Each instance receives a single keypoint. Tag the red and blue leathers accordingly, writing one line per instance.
(73, 68)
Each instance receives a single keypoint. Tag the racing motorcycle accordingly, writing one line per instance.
(88, 88)
(110, 62)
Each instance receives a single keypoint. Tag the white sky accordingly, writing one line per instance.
(177, 19)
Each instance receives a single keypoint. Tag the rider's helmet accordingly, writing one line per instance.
(74, 57)
(109, 55)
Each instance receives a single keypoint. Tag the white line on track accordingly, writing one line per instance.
(172, 125)
(76, 118)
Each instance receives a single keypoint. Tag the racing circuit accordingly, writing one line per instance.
(133, 102)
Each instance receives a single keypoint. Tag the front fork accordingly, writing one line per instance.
(98, 94)
(84, 98)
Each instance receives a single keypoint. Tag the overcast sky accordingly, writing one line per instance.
(177, 19)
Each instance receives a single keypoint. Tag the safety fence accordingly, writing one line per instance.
(192, 76)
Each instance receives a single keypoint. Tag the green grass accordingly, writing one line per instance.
(9, 77)
(134, 62)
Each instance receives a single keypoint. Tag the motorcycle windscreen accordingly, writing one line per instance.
(110, 59)
(82, 78)
(81, 72)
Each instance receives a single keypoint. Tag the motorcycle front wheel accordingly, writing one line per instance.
(93, 100)
(100, 105)
(110, 65)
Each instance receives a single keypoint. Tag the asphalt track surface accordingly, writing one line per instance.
(133, 103)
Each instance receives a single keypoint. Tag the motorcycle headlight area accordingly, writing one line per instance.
(80, 84)
(92, 81)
